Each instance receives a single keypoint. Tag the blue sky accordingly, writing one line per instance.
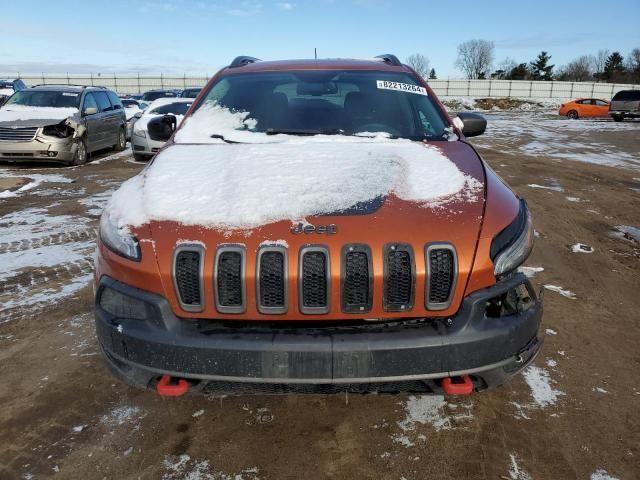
(199, 36)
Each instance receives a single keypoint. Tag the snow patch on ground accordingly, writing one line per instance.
(561, 291)
(36, 180)
(123, 415)
(627, 232)
(433, 410)
(601, 474)
(551, 332)
(256, 185)
(515, 471)
(542, 390)
(182, 467)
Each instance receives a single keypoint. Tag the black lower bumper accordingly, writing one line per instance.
(490, 349)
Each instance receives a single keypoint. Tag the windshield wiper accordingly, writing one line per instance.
(221, 137)
(303, 131)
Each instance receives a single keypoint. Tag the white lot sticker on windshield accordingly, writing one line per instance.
(64, 94)
(402, 87)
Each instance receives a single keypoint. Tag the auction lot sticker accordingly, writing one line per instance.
(402, 87)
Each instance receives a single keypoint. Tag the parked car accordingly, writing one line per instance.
(191, 92)
(625, 104)
(152, 95)
(9, 87)
(142, 145)
(585, 108)
(323, 224)
(61, 123)
(133, 110)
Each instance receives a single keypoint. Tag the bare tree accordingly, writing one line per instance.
(578, 70)
(599, 62)
(475, 58)
(419, 63)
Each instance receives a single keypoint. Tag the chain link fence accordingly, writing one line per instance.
(137, 84)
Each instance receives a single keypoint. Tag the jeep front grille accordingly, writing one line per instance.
(314, 278)
(357, 279)
(441, 275)
(17, 134)
(229, 275)
(399, 278)
(187, 276)
(271, 280)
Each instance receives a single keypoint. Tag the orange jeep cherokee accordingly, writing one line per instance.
(317, 226)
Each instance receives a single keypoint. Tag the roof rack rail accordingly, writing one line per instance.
(243, 60)
(390, 58)
(66, 85)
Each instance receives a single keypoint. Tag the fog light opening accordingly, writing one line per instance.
(122, 306)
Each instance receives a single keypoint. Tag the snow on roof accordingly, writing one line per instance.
(12, 113)
(244, 186)
(167, 100)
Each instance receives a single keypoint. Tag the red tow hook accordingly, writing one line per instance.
(167, 388)
(457, 385)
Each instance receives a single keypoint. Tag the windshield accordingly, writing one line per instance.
(130, 103)
(191, 92)
(172, 109)
(45, 98)
(332, 102)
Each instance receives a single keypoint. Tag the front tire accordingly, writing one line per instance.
(140, 158)
(80, 155)
(572, 115)
(617, 118)
(122, 141)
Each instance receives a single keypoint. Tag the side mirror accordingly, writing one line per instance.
(474, 124)
(161, 128)
(90, 111)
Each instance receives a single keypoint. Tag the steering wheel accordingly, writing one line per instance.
(379, 127)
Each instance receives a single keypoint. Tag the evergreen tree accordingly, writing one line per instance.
(614, 69)
(432, 74)
(540, 69)
(520, 72)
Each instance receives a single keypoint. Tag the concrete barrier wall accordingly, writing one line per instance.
(135, 84)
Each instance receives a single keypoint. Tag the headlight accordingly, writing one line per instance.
(117, 239)
(61, 130)
(140, 133)
(511, 247)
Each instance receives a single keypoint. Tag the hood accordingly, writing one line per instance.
(24, 116)
(358, 191)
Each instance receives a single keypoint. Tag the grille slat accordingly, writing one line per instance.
(187, 271)
(17, 134)
(441, 275)
(357, 279)
(314, 280)
(229, 279)
(272, 288)
(399, 278)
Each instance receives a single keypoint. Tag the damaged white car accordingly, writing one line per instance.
(61, 123)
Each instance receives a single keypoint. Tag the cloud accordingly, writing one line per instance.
(245, 9)
(285, 6)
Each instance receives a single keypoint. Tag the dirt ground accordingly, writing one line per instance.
(575, 414)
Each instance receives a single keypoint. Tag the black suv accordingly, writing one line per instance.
(61, 123)
(625, 104)
(152, 95)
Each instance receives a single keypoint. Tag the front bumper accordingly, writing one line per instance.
(39, 149)
(144, 146)
(490, 350)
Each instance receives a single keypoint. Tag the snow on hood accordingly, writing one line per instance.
(6, 92)
(14, 113)
(130, 111)
(244, 186)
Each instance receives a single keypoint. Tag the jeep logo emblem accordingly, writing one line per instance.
(308, 229)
